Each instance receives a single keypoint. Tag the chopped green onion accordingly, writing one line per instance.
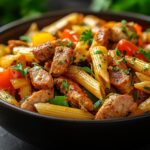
(87, 69)
(25, 38)
(98, 52)
(59, 100)
(97, 104)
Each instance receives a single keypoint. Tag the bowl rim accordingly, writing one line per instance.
(19, 22)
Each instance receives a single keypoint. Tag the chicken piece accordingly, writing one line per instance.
(75, 96)
(15, 43)
(40, 78)
(120, 79)
(61, 60)
(123, 31)
(47, 65)
(116, 106)
(102, 36)
(37, 97)
(45, 51)
(119, 73)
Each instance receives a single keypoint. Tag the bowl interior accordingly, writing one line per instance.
(17, 28)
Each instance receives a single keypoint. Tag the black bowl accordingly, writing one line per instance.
(44, 131)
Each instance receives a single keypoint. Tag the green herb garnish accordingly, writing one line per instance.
(97, 104)
(118, 52)
(145, 67)
(147, 88)
(126, 72)
(65, 85)
(69, 44)
(98, 52)
(87, 37)
(87, 69)
(59, 100)
(146, 54)
(25, 38)
(147, 30)
(71, 58)
(115, 69)
(20, 68)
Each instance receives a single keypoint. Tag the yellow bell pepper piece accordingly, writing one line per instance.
(42, 37)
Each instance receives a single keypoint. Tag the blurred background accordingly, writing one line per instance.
(12, 9)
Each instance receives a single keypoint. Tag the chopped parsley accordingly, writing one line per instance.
(126, 72)
(98, 52)
(99, 65)
(71, 58)
(69, 44)
(147, 88)
(87, 37)
(135, 95)
(25, 38)
(134, 59)
(148, 30)
(65, 85)
(87, 69)
(118, 52)
(146, 54)
(115, 69)
(145, 67)
(20, 68)
(59, 100)
(97, 104)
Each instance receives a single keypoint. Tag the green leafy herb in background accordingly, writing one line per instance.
(139, 6)
(12, 10)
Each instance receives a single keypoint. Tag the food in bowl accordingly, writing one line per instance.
(79, 67)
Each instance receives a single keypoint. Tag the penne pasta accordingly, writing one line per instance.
(143, 86)
(93, 21)
(142, 77)
(25, 51)
(8, 98)
(138, 65)
(73, 18)
(62, 111)
(8, 60)
(145, 106)
(100, 64)
(81, 51)
(87, 81)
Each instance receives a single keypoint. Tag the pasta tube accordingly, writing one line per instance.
(100, 64)
(8, 98)
(73, 18)
(143, 86)
(138, 65)
(87, 81)
(62, 111)
(93, 21)
(142, 77)
(25, 51)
